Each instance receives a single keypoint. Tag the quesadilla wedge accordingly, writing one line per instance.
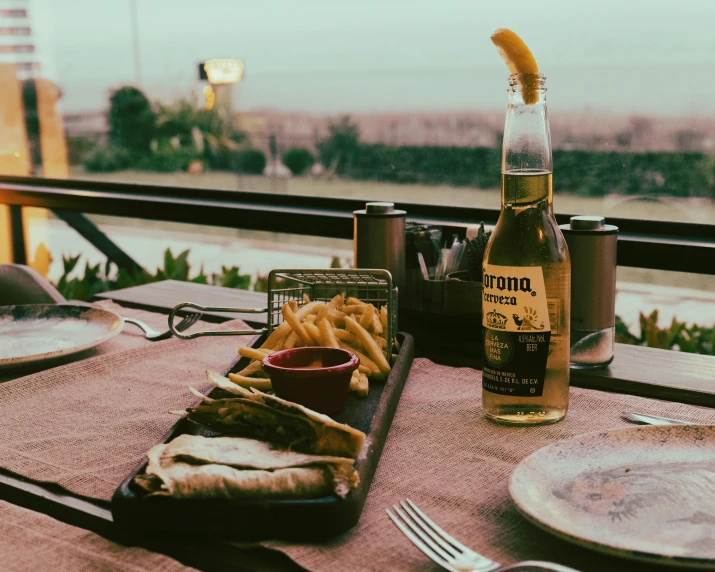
(192, 466)
(263, 416)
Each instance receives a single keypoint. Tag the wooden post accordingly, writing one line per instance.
(55, 163)
(14, 151)
(53, 145)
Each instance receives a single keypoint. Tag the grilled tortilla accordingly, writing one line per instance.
(192, 466)
(263, 416)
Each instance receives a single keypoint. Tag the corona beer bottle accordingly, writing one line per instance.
(527, 273)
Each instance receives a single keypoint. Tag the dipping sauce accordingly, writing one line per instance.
(317, 377)
(316, 363)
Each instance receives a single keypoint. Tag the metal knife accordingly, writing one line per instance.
(645, 419)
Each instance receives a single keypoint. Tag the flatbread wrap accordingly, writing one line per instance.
(193, 466)
(255, 414)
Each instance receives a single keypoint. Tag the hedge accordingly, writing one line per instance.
(586, 173)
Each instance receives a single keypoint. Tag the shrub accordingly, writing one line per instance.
(168, 160)
(251, 161)
(108, 159)
(341, 145)
(585, 173)
(132, 122)
(223, 159)
(298, 160)
(79, 149)
(98, 279)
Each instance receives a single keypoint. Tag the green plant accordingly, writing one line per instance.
(108, 159)
(251, 161)
(132, 122)
(475, 253)
(694, 339)
(85, 288)
(231, 278)
(79, 149)
(298, 160)
(201, 130)
(341, 145)
(96, 279)
(167, 159)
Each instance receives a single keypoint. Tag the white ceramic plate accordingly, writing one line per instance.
(40, 332)
(646, 493)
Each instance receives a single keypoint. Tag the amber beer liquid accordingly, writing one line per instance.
(526, 295)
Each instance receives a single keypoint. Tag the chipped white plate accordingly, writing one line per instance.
(38, 332)
(645, 493)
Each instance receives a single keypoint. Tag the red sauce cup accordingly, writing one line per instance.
(323, 389)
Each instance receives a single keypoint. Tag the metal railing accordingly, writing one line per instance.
(661, 245)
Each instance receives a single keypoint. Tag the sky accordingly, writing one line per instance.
(332, 56)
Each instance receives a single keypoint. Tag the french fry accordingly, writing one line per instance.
(276, 341)
(364, 360)
(293, 305)
(310, 319)
(376, 324)
(291, 340)
(243, 381)
(368, 343)
(321, 313)
(366, 318)
(252, 368)
(353, 308)
(314, 333)
(355, 301)
(348, 338)
(284, 329)
(337, 302)
(363, 385)
(328, 335)
(306, 298)
(383, 317)
(253, 353)
(380, 341)
(280, 345)
(354, 382)
(362, 369)
(294, 322)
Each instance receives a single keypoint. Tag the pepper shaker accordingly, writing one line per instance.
(592, 246)
(379, 239)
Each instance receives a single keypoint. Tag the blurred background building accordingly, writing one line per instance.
(17, 41)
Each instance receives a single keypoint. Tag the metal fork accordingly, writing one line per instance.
(154, 336)
(646, 419)
(446, 551)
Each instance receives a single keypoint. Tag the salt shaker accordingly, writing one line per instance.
(592, 246)
(379, 239)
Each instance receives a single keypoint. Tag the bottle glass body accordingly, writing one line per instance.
(527, 273)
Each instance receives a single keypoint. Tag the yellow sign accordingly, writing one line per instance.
(224, 71)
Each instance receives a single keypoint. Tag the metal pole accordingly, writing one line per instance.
(135, 40)
(17, 233)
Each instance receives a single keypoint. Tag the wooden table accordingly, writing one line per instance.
(163, 296)
(647, 372)
(639, 371)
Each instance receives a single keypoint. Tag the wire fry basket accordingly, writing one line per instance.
(284, 285)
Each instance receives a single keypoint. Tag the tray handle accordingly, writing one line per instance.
(183, 305)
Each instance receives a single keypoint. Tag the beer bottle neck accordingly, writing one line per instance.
(526, 153)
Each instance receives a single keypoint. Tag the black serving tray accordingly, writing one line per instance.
(308, 519)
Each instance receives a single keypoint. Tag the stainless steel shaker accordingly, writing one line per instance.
(379, 239)
(592, 246)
